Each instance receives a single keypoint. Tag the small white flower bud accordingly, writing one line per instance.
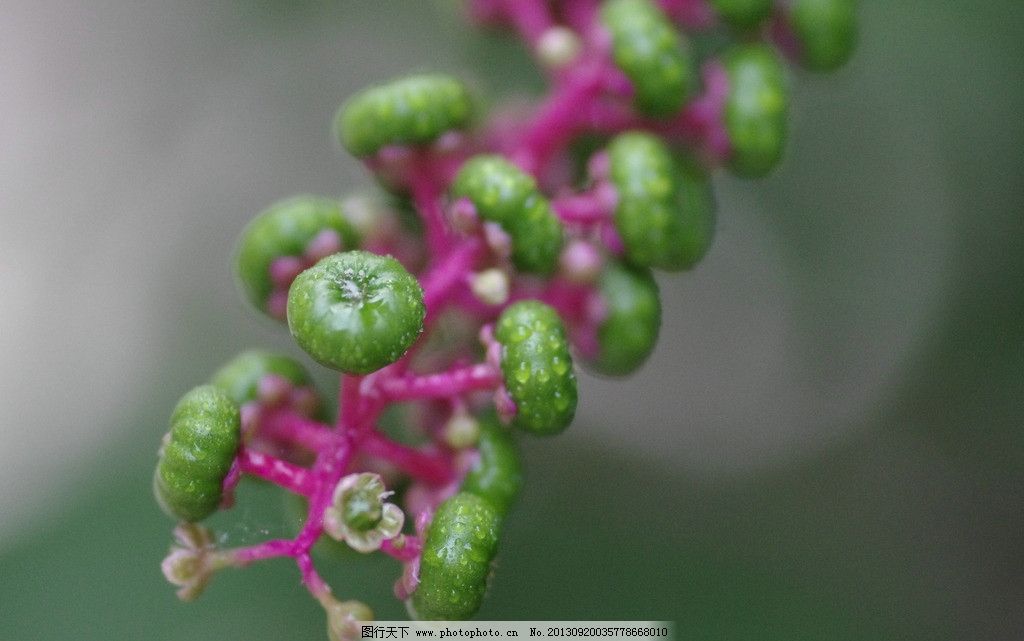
(558, 46)
(498, 239)
(461, 431)
(490, 286)
(581, 262)
(192, 561)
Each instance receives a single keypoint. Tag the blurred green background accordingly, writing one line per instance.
(828, 445)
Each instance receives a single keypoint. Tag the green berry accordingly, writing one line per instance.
(649, 50)
(355, 311)
(496, 476)
(504, 194)
(240, 377)
(827, 31)
(460, 544)
(537, 367)
(629, 331)
(285, 229)
(697, 218)
(755, 110)
(197, 454)
(409, 111)
(743, 14)
(665, 214)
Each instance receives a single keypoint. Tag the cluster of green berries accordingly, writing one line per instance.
(547, 260)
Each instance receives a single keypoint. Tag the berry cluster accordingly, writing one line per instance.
(502, 251)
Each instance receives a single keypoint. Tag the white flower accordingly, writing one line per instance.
(344, 617)
(192, 561)
(358, 514)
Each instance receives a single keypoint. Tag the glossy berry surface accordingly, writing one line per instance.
(409, 111)
(629, 331)
(240, 377)
(285, 229)
(652, 53)
(355, 311)
(460, 545)
(537, 367)
(197, 454)
(505, 194)
(496, 474)
(756, 110)
(665, 215)
(826, 31)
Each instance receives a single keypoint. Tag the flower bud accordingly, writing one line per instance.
(490, 286)
(192, 561)
(461, 430)
(343, 618)
(558, 46)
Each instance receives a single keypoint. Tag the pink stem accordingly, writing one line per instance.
(531, 18)
(328, 470)
(426, 194)
(286, 425)
(447, 274)
(783, 36)
(700, 123)
(587, 208)
(291, 477)
(310, 578)
(580, 14)
(448, 384)
(266, 550)
(558, 119)
(575, 305)
(351, 402)
(409, 550)
(430, 468)
(230, 483)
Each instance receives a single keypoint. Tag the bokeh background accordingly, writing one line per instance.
(829, 443)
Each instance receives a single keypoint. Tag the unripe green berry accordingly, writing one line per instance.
(755, 109)
(537, 367)
(651, 52)
(409, 111)
(743, 14)
(197, 454)
(629, 331)
(497, 475)
(240, 377)
(355, 311)
(460, 544)
(665, 214)
(826, 30)
(505, 194)
(285, 229)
